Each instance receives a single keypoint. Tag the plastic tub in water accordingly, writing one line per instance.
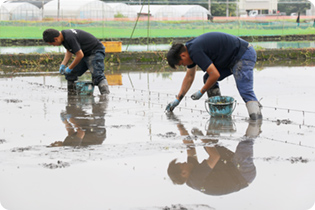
(220, 106)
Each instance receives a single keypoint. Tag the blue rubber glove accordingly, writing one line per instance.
(197, 95)
(171, 106)
(64, 116)
(68, 70)
(62, 69)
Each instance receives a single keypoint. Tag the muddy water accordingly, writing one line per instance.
(92, 152)
(151, 47)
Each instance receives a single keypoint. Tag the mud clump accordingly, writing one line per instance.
(59, 164)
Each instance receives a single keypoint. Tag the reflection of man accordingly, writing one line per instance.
(83, 128)
(223, 172)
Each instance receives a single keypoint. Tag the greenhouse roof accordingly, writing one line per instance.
(11, 6)
(78, 9)
(179, 10)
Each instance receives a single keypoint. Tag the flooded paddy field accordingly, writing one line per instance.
(93, 152)
(152, 47)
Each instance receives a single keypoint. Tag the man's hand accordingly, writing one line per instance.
(62, 69)
(171, 106)
(68, 70)
(197, 95)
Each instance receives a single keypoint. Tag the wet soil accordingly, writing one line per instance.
(122, 160)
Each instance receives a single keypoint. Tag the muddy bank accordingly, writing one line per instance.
(162, 40)
(50, 61)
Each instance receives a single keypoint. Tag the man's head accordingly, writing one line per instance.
(178, 55)
(52, 37)
(177, 173)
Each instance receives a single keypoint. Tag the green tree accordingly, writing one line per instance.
(219, 7)
(288, 8)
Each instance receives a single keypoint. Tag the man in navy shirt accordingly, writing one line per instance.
(89, 54)
(219, 55)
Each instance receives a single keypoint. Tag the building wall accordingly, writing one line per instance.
(270, 5)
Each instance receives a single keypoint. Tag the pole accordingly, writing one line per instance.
(148, 31)
(227, 8)
(58, 10)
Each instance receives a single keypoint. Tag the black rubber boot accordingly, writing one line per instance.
(103, 87)
(71, 88)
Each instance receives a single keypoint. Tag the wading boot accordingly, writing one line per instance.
(254, 110)
(103, 87)
(71, 88)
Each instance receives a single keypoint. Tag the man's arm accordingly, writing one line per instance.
(67, 57)
(78, 57)
(214, 156)
(214, 75)
(186, 84)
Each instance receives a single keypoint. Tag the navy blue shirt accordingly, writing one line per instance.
(199, 174)
(75, 40)
(221, 49)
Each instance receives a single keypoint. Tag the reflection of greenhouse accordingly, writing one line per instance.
(19, 11)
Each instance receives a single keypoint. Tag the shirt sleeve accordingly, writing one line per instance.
(74, 45)
(202, 60)
(198, 176)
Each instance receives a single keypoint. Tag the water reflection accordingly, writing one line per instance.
(84, 121)
(151, 47)
(224, 171)
(219, 125)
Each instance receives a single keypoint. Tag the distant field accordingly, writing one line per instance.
(31, 30)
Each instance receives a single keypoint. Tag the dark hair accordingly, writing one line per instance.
(174, 172)
(50, 34)
(173, 55)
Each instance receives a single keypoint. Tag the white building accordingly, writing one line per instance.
(264, 6)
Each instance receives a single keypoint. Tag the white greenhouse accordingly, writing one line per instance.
(124, 10)
(158, 12)
(192, 11)
(4, 13)
(78, 9)
(22, 11)
(173, 12)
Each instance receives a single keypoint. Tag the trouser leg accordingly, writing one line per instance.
(214, 90)
(243, 74)
(96, 66)
(77, 71)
